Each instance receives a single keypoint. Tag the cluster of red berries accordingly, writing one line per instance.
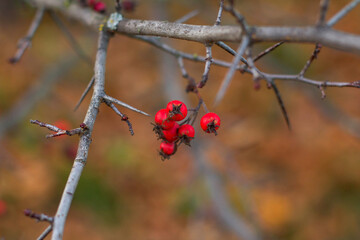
(172, 133)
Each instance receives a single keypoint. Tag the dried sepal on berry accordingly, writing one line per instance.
(210, 122)
(167, 149)
(162, 119)
(186, 133)
(177, 110)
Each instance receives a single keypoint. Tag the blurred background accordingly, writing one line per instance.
(299, 184)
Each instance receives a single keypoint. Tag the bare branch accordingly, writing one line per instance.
(73, 43)
(281, 103)
(342, 13)
(229, 50)
(88, 87)
(123, 116)
(227, 80)
(59, 131)
(297, 78)
(268, 50)
(45, 233)
(191, 87)
(114, 100)
(207, 34)
(193, 57)
(218, 18)
(324, 5)
(25, 42)
(208, 62)
(312, 58)
(39, 217)
(85, 138)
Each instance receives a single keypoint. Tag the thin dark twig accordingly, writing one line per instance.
(218, 18)
(239, 17)
(281, 103)
(342, 13)
(123, 116)
(324, 5)
(192, 84)
(59, 131)
(193, 57)
(208, 62)
(188, 16)
(268, 50)
(88, 87)
(45, 233)
(73, 43)
(312, 58)
(229, 50)
(25, 42)
(39, 217)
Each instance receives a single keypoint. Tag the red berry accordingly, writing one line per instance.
(167, 148)
(186, 130)
(171, 134)
(162, 119)
(177, 110)
(99, 7)
(128, 5)
(2, 207)
(186, 133)
(210, 122)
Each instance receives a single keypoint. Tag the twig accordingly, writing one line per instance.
(281, 103)
(114, 100)
(199, 33)
(312, 58)
(45, 233)
(85, 138)
(123, 116)
(191, 85)
(188, 16)
(296, 78)
(73, 43)
(324, 5)
(342, 13)
(229, 50)
(268, 50)
(88, 87)
(193, 57)
(208, 62)
(227, 80)
(218, 18)
(239, 17)
(39, 217)
(59, 131)
(25, 42)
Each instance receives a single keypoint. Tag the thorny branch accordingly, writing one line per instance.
(205, 34)
(123, 116)
(85, 138)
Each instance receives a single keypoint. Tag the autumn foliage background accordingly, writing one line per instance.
(302, 184)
